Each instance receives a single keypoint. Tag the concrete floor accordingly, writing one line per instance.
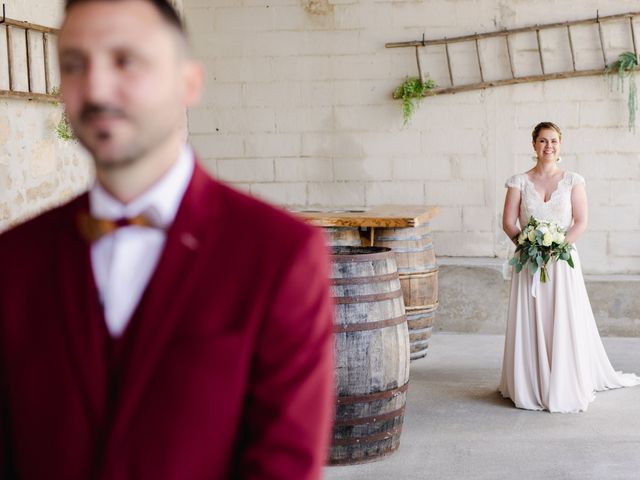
(458, 427)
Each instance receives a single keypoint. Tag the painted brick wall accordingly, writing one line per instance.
(298, 110)
(37, 170)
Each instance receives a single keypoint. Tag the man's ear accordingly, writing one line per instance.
(193, 82)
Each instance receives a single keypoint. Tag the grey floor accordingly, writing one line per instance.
(458, 427)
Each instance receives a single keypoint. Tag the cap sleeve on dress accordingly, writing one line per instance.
(576, 179)
(514, 182)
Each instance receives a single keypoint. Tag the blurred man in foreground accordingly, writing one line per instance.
(160, 326)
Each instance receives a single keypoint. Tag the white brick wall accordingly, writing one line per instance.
(246, 170)
(336, 194)
(455, 192)
(381, 193)
(273, 144)
(449, 219)
(467, 244)
(477, 219)
(298, 110)
(370, 168)
(216, 145)
(303, 169)
(435, 167)
(281, 193)
(616, 220)
(625, 245)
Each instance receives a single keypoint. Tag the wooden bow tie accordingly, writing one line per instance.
(93, 229)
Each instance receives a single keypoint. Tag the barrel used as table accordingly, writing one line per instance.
(372, 354)
(342, 236)
(418, 272)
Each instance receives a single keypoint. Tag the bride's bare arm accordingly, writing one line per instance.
(580, 213)
(511, 212)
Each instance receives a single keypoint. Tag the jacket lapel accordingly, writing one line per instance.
(164, 300)
(81, 312)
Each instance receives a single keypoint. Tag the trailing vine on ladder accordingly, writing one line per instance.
(625, 67)
(412, 91)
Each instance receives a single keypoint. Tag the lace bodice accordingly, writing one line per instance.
(557, 209)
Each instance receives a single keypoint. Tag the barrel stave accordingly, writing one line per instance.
(372, 354)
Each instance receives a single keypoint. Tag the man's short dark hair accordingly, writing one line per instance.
(162, 6)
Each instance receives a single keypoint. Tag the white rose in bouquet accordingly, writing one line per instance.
(521, 238)
(547, 239)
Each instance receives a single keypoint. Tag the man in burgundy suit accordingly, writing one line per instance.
(162, 325)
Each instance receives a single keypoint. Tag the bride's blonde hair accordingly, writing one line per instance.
(545, 126)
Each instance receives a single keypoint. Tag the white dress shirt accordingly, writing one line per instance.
(124, 261)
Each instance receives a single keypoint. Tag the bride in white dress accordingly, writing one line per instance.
(553, 357)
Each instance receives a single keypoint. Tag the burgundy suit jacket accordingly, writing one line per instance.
(226, 368)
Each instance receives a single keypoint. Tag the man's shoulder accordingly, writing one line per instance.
(40, 228)
(245, 213)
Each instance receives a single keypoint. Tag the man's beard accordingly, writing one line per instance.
(144, 139)
(91, 139)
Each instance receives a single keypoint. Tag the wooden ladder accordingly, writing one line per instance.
(506, 34)
(29, 29)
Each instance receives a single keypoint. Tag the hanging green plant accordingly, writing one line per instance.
(63, 127)
(625, 67)
(412, 91)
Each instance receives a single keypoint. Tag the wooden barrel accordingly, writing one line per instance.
(372, 354)
(420, 289)
(342, 236)
(420, 323)
(418, 277)
(413, 247)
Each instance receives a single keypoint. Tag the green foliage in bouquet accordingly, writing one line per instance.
(625, 67)
(412, 91)
(537, 244)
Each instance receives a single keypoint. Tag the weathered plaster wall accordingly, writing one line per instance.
(37, 170)
(299, 110)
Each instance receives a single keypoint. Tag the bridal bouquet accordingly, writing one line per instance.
(538, 243)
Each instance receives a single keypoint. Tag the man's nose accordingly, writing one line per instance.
(99, 83)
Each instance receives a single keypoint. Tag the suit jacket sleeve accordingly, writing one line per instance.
(5, 442)
(291, 403)
(4, 417)
(3, 431)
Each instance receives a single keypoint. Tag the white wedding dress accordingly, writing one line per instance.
(553, 356)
